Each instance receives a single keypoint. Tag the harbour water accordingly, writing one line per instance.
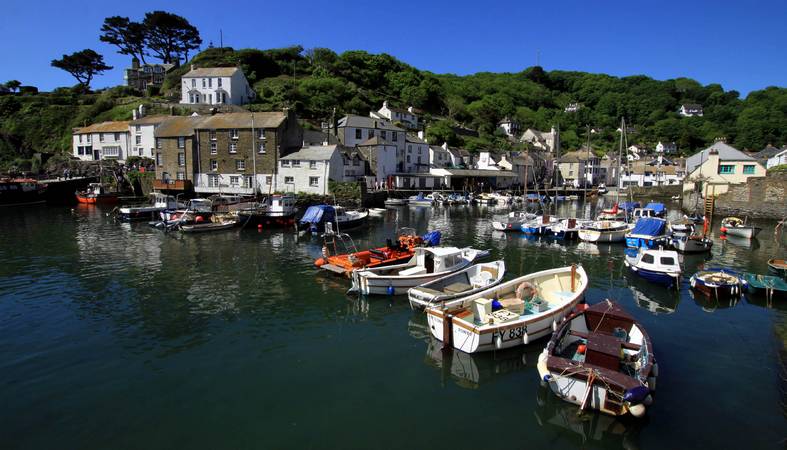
(121, 336)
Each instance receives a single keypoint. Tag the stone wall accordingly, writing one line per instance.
(764, 197)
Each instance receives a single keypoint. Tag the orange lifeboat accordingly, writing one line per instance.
(392, 253)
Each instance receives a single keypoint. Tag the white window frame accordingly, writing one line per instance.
(314, 181)
(312, 164)
(240, 164)
(289, 180)
(233, 147)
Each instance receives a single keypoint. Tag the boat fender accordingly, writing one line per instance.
(581, 348)
(636, 394)
(498, 342)
(547, 378)
(637, 411)
(652, 383)
(324, 251)
(525, 338)
(648, 400)
(554, 325)
(390, 290)
(655, 370)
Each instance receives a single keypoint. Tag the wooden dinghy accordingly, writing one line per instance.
(427, 264)
(734, 226)
(602, 359)
(469, 281)
(778, 267)
(531, 306)
(767, 286)
(217, 223)
(718, 283)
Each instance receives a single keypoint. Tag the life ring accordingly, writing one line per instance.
(526, 291)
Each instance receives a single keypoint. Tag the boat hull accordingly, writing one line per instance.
(690, 245)
(104, 199)
(651, 242)
(744, 232)
(134, 214)
(655, 277)
(602, 235)
(725, 291)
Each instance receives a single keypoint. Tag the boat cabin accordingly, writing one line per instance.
(201, 205)
(160, 200)
(284, 204)
(435, 260)
(658, 260)
(643, 212)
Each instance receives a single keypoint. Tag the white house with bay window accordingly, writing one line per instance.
(309, 169)
(215, 86)
(105, 140)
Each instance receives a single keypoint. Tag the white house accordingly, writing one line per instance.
(353, 130)
(406, 117)
(635, 152)
(509, 126)
(416, 155)
(777, 160)
(487, 161)
(547, 141)
(215, 86)
(439, 156)
(105, 140)
(690, 110)
(142, 135)
(658, 172)
(309, 169)
(666, 148)
(381, 156)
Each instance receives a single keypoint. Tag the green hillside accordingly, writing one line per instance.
(316, 81)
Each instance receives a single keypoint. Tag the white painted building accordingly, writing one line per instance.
(381, 156)
(406, 117)
(439, 156)
(353, 130)
(509, 126)
(309, 169)
(105, 140)
(487, 161)
(777, 160)
(544, 140)
(215, 86)
(142, 135)
(416, 156)
(690, 110)
(666, 148)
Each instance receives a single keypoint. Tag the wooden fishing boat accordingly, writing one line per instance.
(198, 210)
(656, 266)
(392, 253)
(96, 193)
(469, 281)
(718, 283)
(158, 202)
(217, 223)
(427, 264)
(778, 267)
(512, 222)
(648, 232)
(604, 231)
(733, 226)
(602, 359)
(21, 191)
(691, 244)
(766, 285)
(513, 313)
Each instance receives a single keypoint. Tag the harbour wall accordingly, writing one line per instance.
(762, 197)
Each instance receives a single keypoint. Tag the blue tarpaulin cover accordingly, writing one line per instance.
(649, 226)
(318, 213)
(658, 207)
(628, 206)
(432, 238)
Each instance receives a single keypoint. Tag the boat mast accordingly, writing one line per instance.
(620, 155)
(253, 156)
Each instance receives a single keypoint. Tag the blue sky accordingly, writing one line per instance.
(741, 45)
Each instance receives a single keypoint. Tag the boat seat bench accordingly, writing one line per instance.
(589, 336)
(456, 288)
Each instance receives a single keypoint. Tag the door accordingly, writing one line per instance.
(96, 155)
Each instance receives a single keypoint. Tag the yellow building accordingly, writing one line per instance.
(719, 166)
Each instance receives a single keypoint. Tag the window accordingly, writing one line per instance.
(667, 261)
(180, 176)
(262, 148)
(181, 142)
(138, 129)
(314, 181)
(358, 133)
(382, 134)
(409, 149)
(117, 137)
(213, 181)
(181, 159)
(210, 82)
(296, 163)
(240, 164)
(214, 165)
(261, 134)
(100, 137)
(233, 147)
(724, 168)
(289, 180)
(371, 134)
(285, 163)
(408, 158)
(235, 181)
(214, 148)
(113, 152)
(312, 164)
(356, 162)
(88, 138)
(394, 136)
(203, 82)
(218, 82)
(234, 133)
(268, 180)
(419, 160)
(80, 138)
(212, 135)
(159, 159)
(647, 258)
(158, 143)
(193, 82)
(248, 181)
(748, 169)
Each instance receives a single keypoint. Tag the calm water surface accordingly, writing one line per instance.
(121, 336)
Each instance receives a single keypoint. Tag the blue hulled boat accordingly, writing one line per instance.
(656, 266)
(649, 232)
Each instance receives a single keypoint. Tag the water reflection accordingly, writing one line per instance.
(710, 304)
(656, 302)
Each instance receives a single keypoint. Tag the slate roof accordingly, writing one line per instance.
(414, 139)
(150, 120)
(211, 72)
(312, 153)
(726, 153)
(768, 152)
(104, 127)
(178, 126)
(377, 140)
(366, 122)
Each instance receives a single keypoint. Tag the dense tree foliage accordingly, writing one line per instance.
(169, 37)
(82, 65)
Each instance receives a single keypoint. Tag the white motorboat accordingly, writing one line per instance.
(512, 222)
(568, 229)
(657, 266)
(395, 201)
(530, 307)
(158, 202)
(685, 243)
(604, 231)
(377, 212)
(682, 226)
(466, 282)
(734, 226)
(427, 264)
(486, 199)
(421, 200)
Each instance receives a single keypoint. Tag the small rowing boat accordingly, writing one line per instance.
(734, 226)
(460, 284)
(778, 267)
(96, 193)
(718, 283)
(602, 359)
(765, 285)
